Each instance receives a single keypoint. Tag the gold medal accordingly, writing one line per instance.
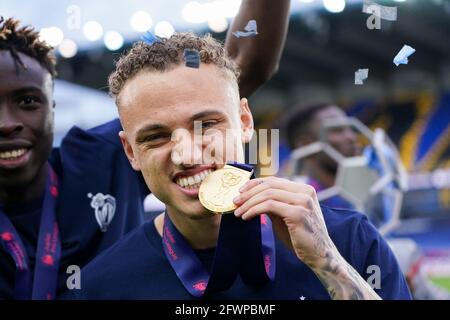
(220, 187)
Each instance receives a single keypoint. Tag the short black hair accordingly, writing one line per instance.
(295, 122)
(25, 40)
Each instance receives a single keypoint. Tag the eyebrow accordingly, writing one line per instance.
(26, 89)
(205, 114)
(30, 89)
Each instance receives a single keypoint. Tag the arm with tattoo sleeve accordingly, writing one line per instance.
(298, 222)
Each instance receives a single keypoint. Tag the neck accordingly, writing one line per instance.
(200, 233)
(25, 193)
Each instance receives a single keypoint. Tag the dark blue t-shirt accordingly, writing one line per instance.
(94, 208)
(136, 267)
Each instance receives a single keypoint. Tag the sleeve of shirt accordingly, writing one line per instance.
(380, 266)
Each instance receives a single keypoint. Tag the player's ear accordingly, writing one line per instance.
(129, 151)
(246, 121)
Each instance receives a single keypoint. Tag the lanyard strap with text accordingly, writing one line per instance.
(48, 253)
(236, 252)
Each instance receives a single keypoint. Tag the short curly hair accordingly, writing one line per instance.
(26, 40)
(165, 54)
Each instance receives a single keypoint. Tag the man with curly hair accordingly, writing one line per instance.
(188, 251)
(62, 207)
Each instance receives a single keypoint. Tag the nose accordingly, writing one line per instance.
(9, 123)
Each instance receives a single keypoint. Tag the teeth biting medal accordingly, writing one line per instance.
(220, 187)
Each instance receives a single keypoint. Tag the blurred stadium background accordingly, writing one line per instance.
(327, 42)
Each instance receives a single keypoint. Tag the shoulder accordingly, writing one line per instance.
(107, 132)
(349, 227)
(80, 149)
(344, 221)
(353, 234)
(128, 248)
(139, 251)
(108, 269)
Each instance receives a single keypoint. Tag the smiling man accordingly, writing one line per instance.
(56, 207)
(320, 252)
(22, 157)
(60, 208)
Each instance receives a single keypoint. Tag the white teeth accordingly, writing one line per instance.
(193, 182)
(11, 155)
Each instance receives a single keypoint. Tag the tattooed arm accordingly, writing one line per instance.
(298, 221)
(342, 281)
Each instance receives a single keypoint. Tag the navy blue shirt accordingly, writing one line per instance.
(136, 267)
(94, 208)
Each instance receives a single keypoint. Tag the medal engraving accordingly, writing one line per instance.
(219, 188)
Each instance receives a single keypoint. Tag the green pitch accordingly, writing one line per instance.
(443, 282)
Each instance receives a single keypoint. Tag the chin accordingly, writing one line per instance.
(17, 178)
(195, 211)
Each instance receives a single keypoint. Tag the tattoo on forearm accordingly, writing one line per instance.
(339, 278)
(343, 282)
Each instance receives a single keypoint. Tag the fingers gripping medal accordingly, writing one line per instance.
(219, 188)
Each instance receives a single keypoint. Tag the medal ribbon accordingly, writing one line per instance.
(48, 252)
(236, 252)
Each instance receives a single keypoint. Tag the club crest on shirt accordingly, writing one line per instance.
(105, 208)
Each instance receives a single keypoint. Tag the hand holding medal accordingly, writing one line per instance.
(295, 213)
